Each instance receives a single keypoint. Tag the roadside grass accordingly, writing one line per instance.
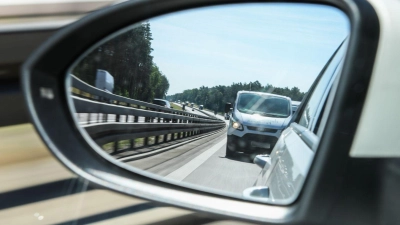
(174, 106)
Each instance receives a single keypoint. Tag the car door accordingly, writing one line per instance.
(295, 149)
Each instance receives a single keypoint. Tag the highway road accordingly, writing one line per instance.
(203, 163)
(200, 162)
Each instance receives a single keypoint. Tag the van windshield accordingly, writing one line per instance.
(271, 106)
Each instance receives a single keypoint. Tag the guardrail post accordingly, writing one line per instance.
(156, 141)
(88, 119)
(136, 118)
(117, 118)
(165, 138)
(132, 143)
(146, 141)
(115, 146)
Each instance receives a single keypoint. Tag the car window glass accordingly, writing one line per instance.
(158, 102)
(313, 106)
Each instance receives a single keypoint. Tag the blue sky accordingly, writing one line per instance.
(280, 44)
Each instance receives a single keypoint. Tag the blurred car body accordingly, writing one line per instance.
(286, 168)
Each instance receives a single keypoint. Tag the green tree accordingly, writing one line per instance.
(214, 98)
(127, 57)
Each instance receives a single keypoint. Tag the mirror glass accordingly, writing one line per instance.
(219, 99)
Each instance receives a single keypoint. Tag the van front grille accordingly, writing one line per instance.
(261, 129)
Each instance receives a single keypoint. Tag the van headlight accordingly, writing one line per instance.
(236, 125)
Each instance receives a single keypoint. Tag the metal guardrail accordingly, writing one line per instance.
(132, 131)
(158, 120)
(105, 96)
(89, 106)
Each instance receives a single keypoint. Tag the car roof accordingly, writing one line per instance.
(160, 99)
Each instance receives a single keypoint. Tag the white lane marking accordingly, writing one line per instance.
(193, 164)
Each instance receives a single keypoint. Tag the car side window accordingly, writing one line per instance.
(313, 108)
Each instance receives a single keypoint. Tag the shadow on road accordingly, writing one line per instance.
(241, 158)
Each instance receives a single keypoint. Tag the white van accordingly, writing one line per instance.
(256, 122)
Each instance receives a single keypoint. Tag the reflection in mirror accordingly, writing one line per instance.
(208, 98)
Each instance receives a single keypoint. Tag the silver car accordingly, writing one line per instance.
(285, 169)
(162, 102)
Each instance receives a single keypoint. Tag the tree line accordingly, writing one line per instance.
(127, 57)
(214, 98)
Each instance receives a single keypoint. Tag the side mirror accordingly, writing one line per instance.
(167, 156)
(228, 107)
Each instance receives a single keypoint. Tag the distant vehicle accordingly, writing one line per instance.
(201, 107)
(104, 81)
(228, 111)
(256, 122)
(179, 101)
(295, 105)
(162, 102)
(227, 116)
(192, 104)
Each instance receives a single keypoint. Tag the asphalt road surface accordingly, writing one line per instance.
(203, 163)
